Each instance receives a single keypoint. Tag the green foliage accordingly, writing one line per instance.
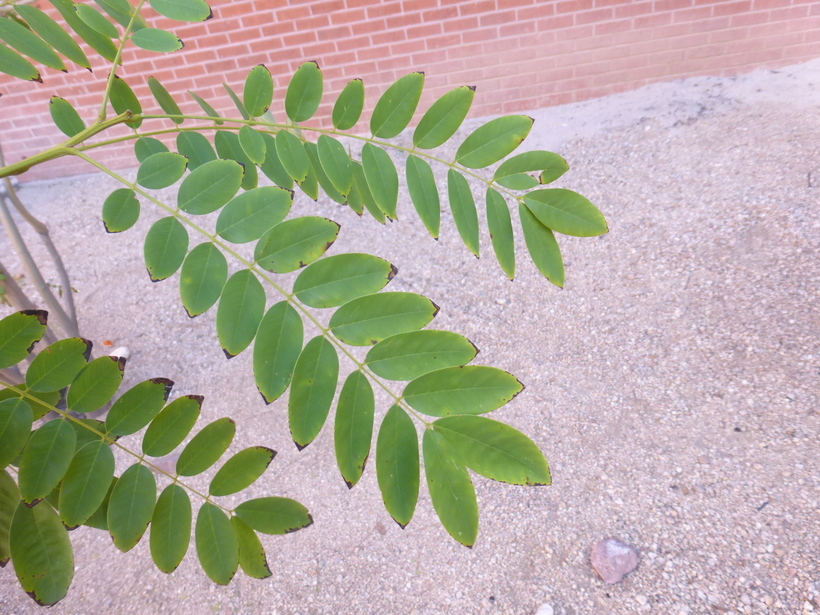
(218, 179)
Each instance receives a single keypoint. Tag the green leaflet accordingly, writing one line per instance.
(123, 99)
(9, 500)
(501, 232)
(314, 383)
(251, 213)
(96, 20)
(277, 346)
(216, 544)
(95, 384)
(44, 405)
(353, 430)
(12, 63)
(272, 167)
(542, 246)
(164, 98)
(292, 155)
(567, 212)
(45, 459)
(87, 431)
(41, 551)
(28, 43)
(397, 465)
(382, 178)
(170, 528)
(336, 164)
(166, 244)
(121, 210)
(304, 92)
(148, 146)
(65, 117)
(18, 334)
(443, 118)
(206, 447)
(471, 389)
(409, 355)
(99, 519)
(252, 558)
(451, 489)
(241, 470)
(53, 34)
(495, 450)
(337, 279)
(492, 141)
(370, 319)
(252, 144)
(258, 92)
(295, 243)
(396, 106)
(348, 107)
(210, 186)
(131, 506)
(551, 165)
(122, 12)
(98, 42)
(196, 148)
(207, 108)
(519, 181)
(171, 426)
(362, 195)
(237, 102)
(240, 310)
(161, 170)
(202, 278)
(317, 174)
(153, 39)
(86, 483)
(421, 184)
(273, 515)
(56, 366)
(228, 147)
(16, 419)
(183, 10)
(462, 205)
(138, 406)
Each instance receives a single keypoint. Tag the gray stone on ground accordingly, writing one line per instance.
(612, 559)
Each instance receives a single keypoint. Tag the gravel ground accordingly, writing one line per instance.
(673, 383)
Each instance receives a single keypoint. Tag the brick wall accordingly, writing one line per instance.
(521, 54)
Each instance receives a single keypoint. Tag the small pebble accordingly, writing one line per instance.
(612, 560)
(545, 609)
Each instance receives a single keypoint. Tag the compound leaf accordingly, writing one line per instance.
(421, 184)
(443, 118)
(348, 107)
(166, 245)
(304, 92)
(228, 147)
(183, 10)
(96, 20)
(292, 155)
(495, 450)
(551, 165)
(202, 278)
(121, 210)
(565, 211)
(53, 34)
(370, 319)
(258, 92)
(492, 141)
(163, 97)
(216, 544)
(171, 425)
(248, 215)
(131, 506)
(501, 232)
(196, 148)
(451, 489)
(148, 146)
(382, 178)
(409, 355)
(395, 108)
(153, 39)
(273, 515)
(86, 483)
(295, 243)
(45, 459)
(469, 389)
(137, 407)
(41, 550)
(353, 430)
(64, 115)
(123, 99)
(338, 279)
(98, 42)
(462, 205)
(397, 465)
(336, 164)
(57, 366)
(161, 170)
(542, 246)
(25, 41)
(95, 384)
(210, 186)
(276, 349)
(272, 167)
(18, 334)
(252, 144)
(9, 500)
(314, 383)
(252, 558)
(206, 447)
(207, 108)
(241, 470)
(12, 63)
(170, 528)
(241, 308)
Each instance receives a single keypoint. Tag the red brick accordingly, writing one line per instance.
(613, 25)
(732, 8)
(474, 8)
(632, 9)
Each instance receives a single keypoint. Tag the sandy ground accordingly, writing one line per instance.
(673, 384)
